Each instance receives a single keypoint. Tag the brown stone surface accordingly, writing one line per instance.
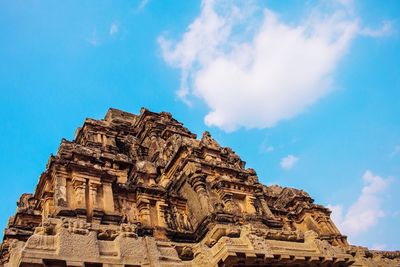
(141, 190)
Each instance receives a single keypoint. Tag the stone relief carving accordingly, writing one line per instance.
(26, 203)
(60, 193)
(107, 234)
(127, 209)
(169, 219)
(183, 221)
(169, 149)
(185, 252)
(146, 173)
(79, 187)
(177, 219)
(76, 226)
(46, 228)
(129, 229)
(201, 259)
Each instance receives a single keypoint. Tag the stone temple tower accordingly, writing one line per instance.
(142, 190)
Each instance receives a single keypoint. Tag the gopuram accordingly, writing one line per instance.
(142, 190)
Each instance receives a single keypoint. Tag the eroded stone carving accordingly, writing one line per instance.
(76, 226)
(26, 203)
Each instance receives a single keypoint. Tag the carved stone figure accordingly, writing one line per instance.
(169, 219)
(185, 221)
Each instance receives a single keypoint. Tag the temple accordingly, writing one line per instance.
(142, 190)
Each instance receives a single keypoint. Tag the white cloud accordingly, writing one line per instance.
(288, 162)
(385, 30)
(93, 39)
(270, 149)
(366, 211)
(273, 75)
(114, 28)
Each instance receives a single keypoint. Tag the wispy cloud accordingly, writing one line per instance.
(396, 151)
(288, 162)
(114, 28)
(266, 147)
(142, 4)
(93, 39)
(269, 149)
(366, 211)
(385, 30)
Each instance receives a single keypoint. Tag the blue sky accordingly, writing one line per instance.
(306, 92)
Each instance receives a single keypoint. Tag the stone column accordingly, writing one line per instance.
(48, 208)
(108, 199)
(199, 186)
(264, 206)
(162, 214)
(249, 204)
(93, 188)
(60, 191)
(143, 206)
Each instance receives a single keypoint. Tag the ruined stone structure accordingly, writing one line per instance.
(141, 190)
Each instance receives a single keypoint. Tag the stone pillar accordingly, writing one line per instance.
(154, 215)
(249, 205)
(95, 203)
(48, 208)
(143, 206)
(199, 186)
(264, 206)
(93, 188)
(162, 211)
(108, 199)
(60, 191)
